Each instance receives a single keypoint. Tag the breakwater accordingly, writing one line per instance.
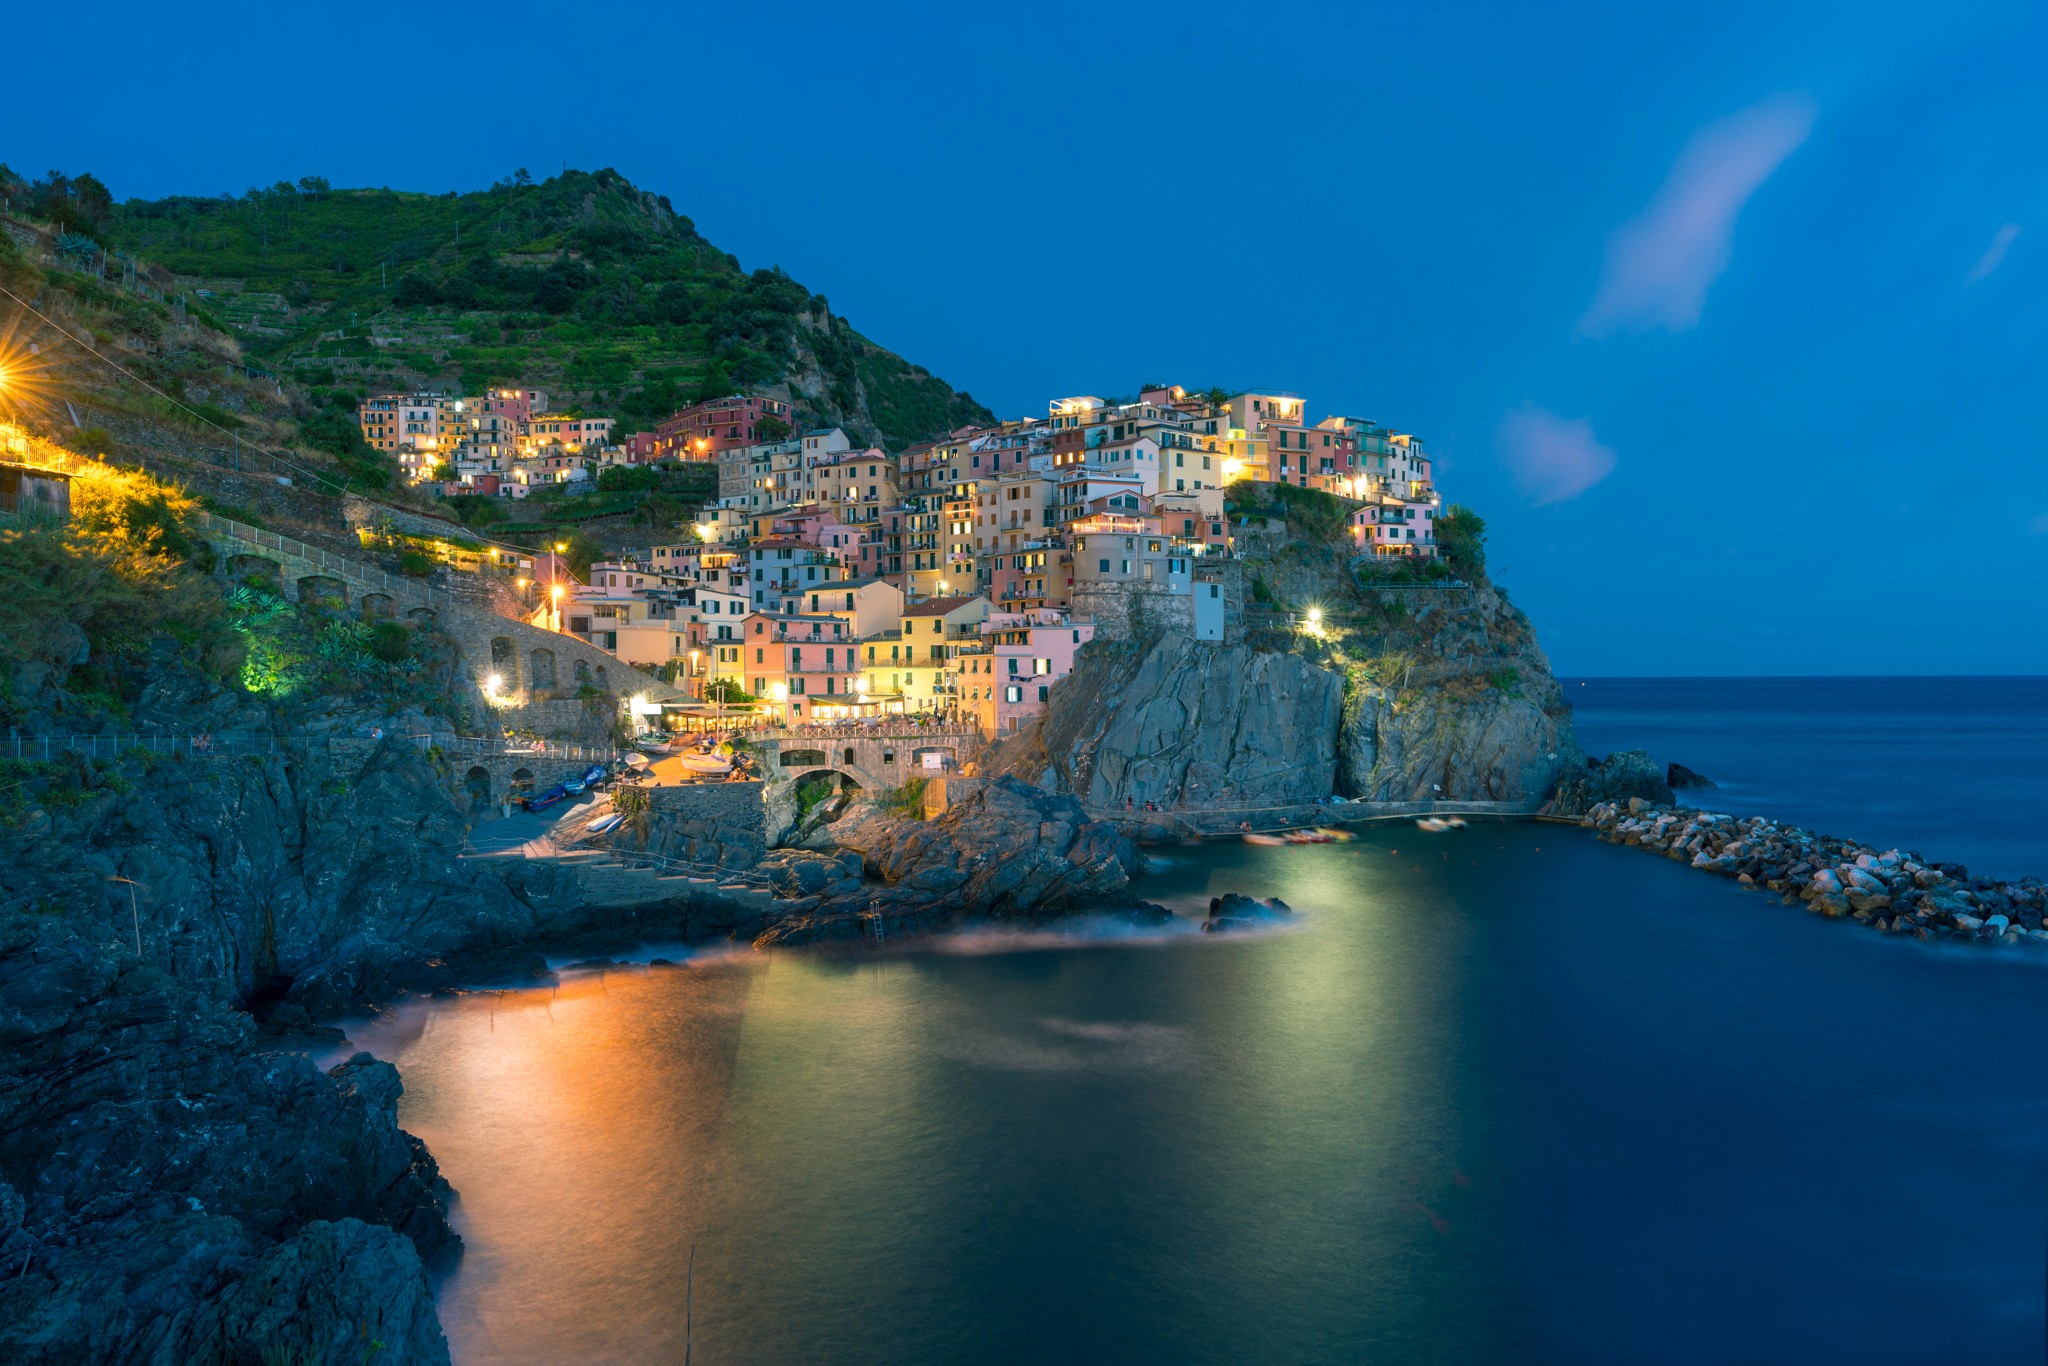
(1891, 890)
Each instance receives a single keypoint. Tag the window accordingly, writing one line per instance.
(1013, 694)
(1105, 567)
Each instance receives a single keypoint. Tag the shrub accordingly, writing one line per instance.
(390, 642)
(415, 563)
(1461, 535)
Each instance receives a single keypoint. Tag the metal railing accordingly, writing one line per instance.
(863, 730)
(203, 746)
(230, 745)
(364, 575)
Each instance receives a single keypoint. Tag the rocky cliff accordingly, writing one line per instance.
(1401, 692)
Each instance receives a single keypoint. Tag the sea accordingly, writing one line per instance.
(1500, 1094)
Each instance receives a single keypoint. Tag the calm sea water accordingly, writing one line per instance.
(1501, 1095)
(1954, 767)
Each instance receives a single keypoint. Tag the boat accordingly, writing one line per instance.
(543, 800)
(1433, 825)
(593, 775)
(637, 761)
(1308, 837)
(651, 744)
(1336, 836)
(705, 763)
(604, 823)
(1263, 839)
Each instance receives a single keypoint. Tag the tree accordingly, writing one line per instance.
(659, 510)
(1461, 535)
(771, 428)
(580, 550)
(522, 176)
(415, 290)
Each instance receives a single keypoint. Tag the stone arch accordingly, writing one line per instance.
(604, 683)
(846, 756)
(846, 779)
(582, 672)
(421, 617)
(313, 587)
(255, 566)
(505, 660)
(543, 668)
(522, 777)
(478, 784)
(378, 607)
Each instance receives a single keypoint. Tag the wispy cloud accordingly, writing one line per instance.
(1994, 255)
(1661, 263)
(1553, 459)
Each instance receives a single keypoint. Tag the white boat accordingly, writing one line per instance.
(1433, 825)
(706, 763)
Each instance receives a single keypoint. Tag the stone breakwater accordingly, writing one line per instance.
(1895, 891)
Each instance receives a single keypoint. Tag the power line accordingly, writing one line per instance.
(174, 401)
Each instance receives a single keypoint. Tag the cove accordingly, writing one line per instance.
(1500, 1095)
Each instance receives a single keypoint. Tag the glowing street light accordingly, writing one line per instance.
(493, 683)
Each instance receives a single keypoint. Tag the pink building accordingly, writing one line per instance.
(702, 430)
(515, 405)
(1033, 651)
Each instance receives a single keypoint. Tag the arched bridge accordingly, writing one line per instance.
(878, 757)
(526, 659)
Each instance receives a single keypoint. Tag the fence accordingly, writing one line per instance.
(229, 746)
(473, 747)
(363, 575)
(110, 746)
(868, 730)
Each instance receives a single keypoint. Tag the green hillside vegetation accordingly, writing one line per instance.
(190, 389)
(581, 285)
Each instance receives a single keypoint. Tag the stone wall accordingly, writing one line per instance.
(580, 721)
(1123, 610)
(712, 823)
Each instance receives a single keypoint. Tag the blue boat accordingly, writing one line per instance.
(543, 800)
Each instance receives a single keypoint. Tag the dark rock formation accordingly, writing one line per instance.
(1233, 911)
(167, 1194)
(1182, 722)
(1892, 890)
(1003, 851)
(1678, 776)
(1625, 774)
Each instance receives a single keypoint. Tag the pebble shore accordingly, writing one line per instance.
(1897, 892)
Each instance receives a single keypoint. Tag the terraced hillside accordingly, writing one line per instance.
(583, 284)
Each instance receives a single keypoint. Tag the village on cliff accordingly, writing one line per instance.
(954, 580)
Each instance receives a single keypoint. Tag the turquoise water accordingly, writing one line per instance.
(1500, 1095)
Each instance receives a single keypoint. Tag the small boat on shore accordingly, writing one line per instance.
(1264, 839)
(705, 763)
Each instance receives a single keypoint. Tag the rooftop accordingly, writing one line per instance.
(938, 607)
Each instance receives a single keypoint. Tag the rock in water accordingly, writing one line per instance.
(1679, 776)
(1234, 911)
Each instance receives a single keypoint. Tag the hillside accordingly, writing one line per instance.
(582, 285)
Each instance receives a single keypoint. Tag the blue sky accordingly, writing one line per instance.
(1730, 322)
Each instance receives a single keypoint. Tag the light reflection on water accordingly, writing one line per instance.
(1484, 1103)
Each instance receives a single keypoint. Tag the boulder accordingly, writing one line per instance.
(1678, 776)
